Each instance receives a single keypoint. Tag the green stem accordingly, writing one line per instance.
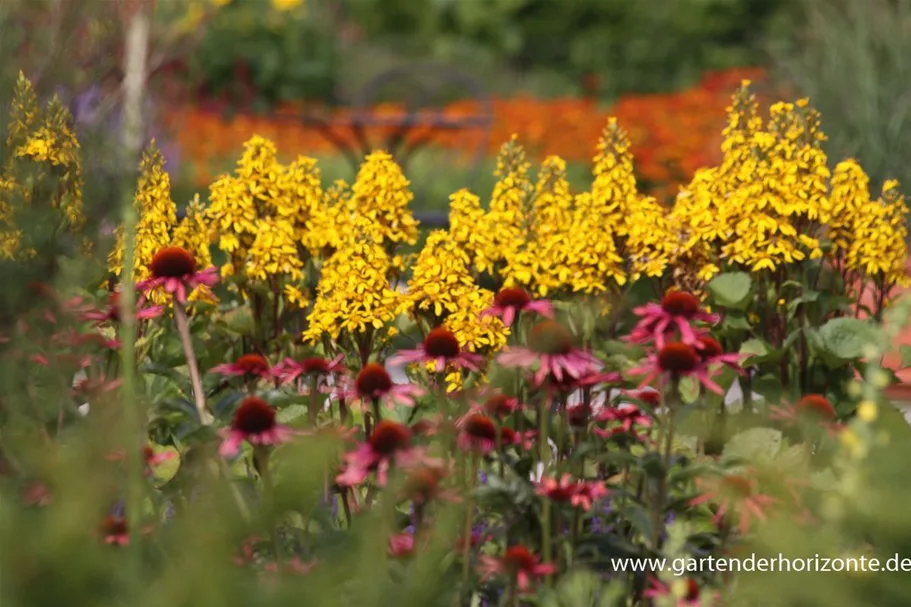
(470, 483)
(671, 403)
(261, 456)
(314, 400)
(543, 418)
(199, 395)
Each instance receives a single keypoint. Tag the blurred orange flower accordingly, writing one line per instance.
(672, 134)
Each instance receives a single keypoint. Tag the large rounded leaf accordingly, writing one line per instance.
(731, 289)
(845, 338)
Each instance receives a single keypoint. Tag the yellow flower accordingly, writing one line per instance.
(504, 224)
(354, 294)
(878, 246)
(268, 216)
(286, 5)
(440, 278)
(465, 215)
(476, 333)
(531, 259)
(192, 234)
(157, 216)
(867, 411)
(25, 112)
(381, 194)
(295, 297)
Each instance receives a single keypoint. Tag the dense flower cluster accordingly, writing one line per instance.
(158, 228)
(554, 428)
(39, 141)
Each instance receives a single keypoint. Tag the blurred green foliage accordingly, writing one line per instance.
(629, 45)
(853, 59)
(252, 53)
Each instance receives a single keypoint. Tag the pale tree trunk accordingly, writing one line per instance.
(136, 18)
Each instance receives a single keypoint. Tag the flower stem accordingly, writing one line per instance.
(199, 396)
(671, 402)
(261, 456)
(135, 55)
(543, 418)
(314, 400)
(470, 483)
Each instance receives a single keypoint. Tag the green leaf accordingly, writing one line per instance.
(166, 469)
(239, 320)
(290, 413)
(844, 338)
(735, 320)
(689, 390)
(906, 355)
(579, 588)
(731, 289)
(754, 443)
(769, 387)
(755, 347)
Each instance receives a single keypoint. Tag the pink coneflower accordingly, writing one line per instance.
(712, 354)
(75, 339)
(687, 594)
(810, 409)
(36, 493)
(91, 387)
(579, 415)
(578, 493)
(674, 361)
(374, 383)
(550, 345)
(588, 493)
(295, 566)
(312, 367)
(422, 484)
(247, 365)
(149, 456)
(477, 432)
(528, 439)
(647, 396)
(735, 494)
(628, 417)
(519, 564)
(111, 312)
(561, 490)
(426, 427)
(678, 309)
(79, 361)
(115, 530)
(500, 405)
(508, 436)
(390, 443)
(254, 422)
(401, 545)
(247, 553)
(442, 348)
(174, 270)
(512, 301)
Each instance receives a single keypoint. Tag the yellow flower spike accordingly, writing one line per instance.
(381, 193)
(192, 233)
(157, 216)
(853, 443)
(354, 294)
(479, 334)
(505, 222)
(867, 411)
(441, 280)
